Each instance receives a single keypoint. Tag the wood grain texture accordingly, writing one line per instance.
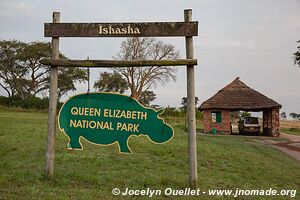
(117, 63)
(146, 29)
(50, 154)
(191, 115)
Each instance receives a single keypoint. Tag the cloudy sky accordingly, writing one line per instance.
(250, 39)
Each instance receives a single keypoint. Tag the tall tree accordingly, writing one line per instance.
(22, 74)
(141, 79)
(11, 71)
(297, 55)
(147, 97)
(184, 103)
(295, 116)
(283, 115)
(67, 77)
(37, 73)
(111, 82)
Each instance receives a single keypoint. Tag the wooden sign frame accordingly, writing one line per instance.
(188, 29)
(142, 29)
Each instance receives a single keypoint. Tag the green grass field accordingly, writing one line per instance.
(292, 131)
(223, 163)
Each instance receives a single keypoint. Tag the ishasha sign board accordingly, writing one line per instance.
(107, 118)
(137, 29)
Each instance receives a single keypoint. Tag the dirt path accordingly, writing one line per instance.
(290, 146)
(292, 138)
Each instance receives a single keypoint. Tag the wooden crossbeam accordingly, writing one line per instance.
(141, 29)
(117, 63)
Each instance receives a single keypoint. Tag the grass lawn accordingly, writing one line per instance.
(293, 131)
(223, 163)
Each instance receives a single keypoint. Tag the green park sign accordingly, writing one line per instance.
(104, 118)
(107, 118)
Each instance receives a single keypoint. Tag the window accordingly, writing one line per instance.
(251, 120)
(216, 117)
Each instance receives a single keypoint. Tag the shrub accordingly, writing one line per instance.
(29, 103)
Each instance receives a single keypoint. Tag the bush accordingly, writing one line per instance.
(177, 112)
(29, 103)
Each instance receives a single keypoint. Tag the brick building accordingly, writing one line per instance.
(237, 96)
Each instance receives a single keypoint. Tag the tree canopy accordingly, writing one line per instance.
(67, 77)
(295, 116)
(22, 74)
(11, 70)
(184, 102)
(114, 82)
(141, 79)
(111, 82)
(244, 114)
(297, 55)
(283, 115)
(147, 97)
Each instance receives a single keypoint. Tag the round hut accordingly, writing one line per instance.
(237, 96)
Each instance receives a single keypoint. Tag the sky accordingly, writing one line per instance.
(250, 39)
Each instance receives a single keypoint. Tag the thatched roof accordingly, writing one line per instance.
(238, 96)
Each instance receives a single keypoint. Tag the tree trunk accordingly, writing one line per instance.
(135, 95)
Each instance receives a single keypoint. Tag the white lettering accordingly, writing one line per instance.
(103, 30)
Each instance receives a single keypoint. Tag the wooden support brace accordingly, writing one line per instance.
(191, 116)
(49, 165)
(117, 63)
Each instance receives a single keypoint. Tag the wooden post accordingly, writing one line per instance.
(191, 117)
(52, 104)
